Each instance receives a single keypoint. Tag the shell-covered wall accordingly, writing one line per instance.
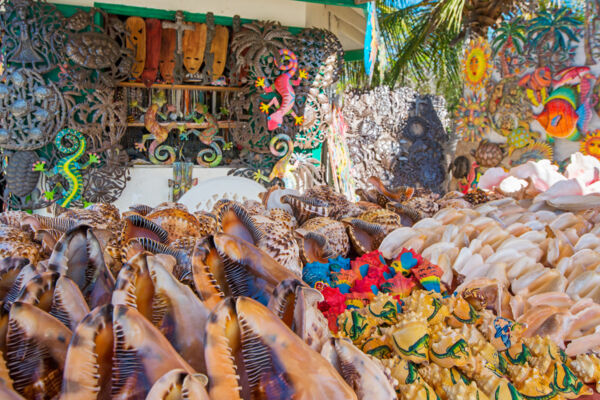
(530, 92)
(398, 136)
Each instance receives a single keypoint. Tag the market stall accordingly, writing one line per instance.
(194, 209)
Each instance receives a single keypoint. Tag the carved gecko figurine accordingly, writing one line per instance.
(158, 132)
(284, 86)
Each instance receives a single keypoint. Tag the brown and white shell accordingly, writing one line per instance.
(322, 238)
(488, 154)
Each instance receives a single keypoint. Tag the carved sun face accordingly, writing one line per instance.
(476, 64)
(472, 122)
(591, 145)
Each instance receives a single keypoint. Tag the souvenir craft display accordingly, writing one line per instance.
(528, 91)
(295, 85)
(479, 298)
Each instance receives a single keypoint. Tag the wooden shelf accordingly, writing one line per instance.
(181, 87)
(189, 125)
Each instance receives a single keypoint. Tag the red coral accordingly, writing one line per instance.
(399, 286)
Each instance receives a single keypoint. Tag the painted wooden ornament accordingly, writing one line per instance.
(136, 27)
(153, 43)
(168, 46)
(219, 50)
(194, 43)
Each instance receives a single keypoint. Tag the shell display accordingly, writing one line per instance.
(488, 154)
(493, 300)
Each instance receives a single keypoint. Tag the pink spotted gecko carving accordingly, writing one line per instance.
(284, 86)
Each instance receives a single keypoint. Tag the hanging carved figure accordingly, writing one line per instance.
(153, 43)
(182, 179)
(167, 63)
(136, 27)
(179, 27)
(284, 86)
(158, 133)
(68, 167)
(194, 43)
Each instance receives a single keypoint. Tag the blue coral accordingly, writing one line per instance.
(316, 272)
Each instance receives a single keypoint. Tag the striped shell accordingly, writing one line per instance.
(488, 154)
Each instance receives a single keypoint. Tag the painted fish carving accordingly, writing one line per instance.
(559, 118)
(579, 76)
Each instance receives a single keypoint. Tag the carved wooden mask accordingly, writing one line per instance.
(167, 54)
(194, 43)
(137, 42)
(153, 42)
(219, 49)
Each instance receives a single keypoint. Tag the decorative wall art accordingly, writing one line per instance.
(83, 94)
(71, 144)
(54, 122)
(106, 181)
(541, 96)
(397, 136)
(33, 36)
(269, 55)
(32, 109)
(99, 55)
(102, 116)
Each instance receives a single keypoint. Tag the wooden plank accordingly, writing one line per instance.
(146, 12)
(182, 87)
(341, 3)
(189, 125)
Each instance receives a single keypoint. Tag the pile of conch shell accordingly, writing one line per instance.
(159, 302)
